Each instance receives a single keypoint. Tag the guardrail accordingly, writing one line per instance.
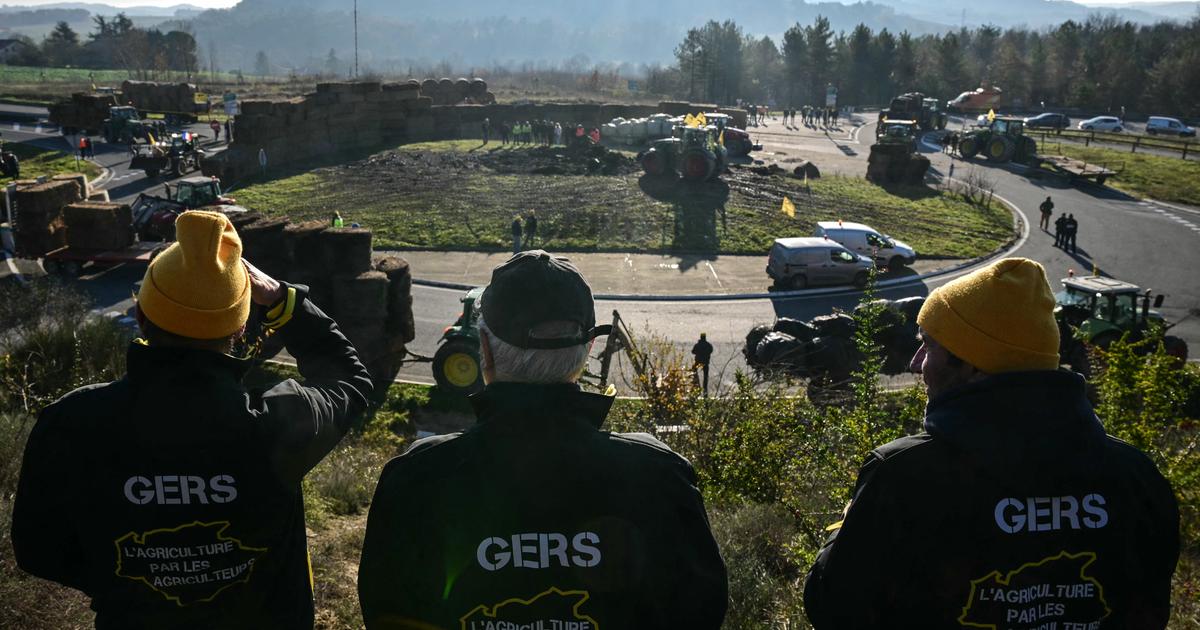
(1135, 141)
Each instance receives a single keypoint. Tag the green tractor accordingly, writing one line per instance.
(123, 125)
(894, 157)
(456, 363)
(1094, 311)
(694, 152)
(1002, 139)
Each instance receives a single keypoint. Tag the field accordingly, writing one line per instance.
(461, 195)
(27, 84)
(36, 161)
(1141, 174)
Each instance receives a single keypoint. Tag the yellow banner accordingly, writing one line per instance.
(788, 208)
(200, 98)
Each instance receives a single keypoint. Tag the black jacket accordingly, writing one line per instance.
(1014, 510)
(172, 496)
(534, 514)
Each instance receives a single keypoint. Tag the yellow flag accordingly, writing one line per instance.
(689, 121)
(788, 208)
(991, 115)
(701, 121)
(721, 138)
(150, 138)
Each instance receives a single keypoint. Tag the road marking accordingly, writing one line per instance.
(714, 274)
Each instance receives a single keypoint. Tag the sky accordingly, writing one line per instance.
(217, 4)
(207, 4)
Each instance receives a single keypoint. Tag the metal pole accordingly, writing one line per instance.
(355, 39)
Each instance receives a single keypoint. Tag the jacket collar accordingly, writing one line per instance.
(1033, 413)
(146, 363)
(528, 405)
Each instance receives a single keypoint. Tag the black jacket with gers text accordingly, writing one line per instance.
(535, 518)
(172, 497)
(1014, 510)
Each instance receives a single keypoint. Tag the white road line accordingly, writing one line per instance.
(714, 274)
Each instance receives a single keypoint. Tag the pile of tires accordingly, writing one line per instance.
(824, 348)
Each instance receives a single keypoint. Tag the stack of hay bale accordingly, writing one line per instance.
(160, 97)
(83, 111)
(337, 117)
(452, 92)
(370, 300)
(98, 225)
(38, 215)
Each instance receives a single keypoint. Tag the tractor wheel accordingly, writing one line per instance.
(1101, 179)
(1000, 149)
(12, 166)
(179, 167)
(968, 147)
(697, 166)
(654, 163)
(1176, 347)
(456, 367)
(1026, 151)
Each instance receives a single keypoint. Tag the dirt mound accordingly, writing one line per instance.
(589, 160)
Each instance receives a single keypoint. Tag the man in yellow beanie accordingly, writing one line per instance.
(172, 496)
(1013, 509)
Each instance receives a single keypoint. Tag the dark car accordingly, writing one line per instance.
(1048, 121)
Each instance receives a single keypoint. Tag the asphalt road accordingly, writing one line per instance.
(1153, 245)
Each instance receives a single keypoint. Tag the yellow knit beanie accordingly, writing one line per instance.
(198, 287)
(998, 319)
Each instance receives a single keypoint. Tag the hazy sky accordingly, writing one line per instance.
(207, 4)
(214, 4)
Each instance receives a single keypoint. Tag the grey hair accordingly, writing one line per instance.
(525, 365)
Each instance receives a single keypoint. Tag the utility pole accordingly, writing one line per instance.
(356, 39)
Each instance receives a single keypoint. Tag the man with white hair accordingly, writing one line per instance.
(535, 517)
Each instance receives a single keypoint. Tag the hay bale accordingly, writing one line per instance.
(98, 225)
(400, 321)
(300, 244)
(367, 337)
(345, 250)
(320, 287)
(360, 297)
(84, 187)
(47, 198)
(263, 239)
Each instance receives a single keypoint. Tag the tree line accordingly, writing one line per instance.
(1102, 64)
(113, 43)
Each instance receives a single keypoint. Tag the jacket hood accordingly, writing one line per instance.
(1010, 419)
(529, 405)
(146, 362)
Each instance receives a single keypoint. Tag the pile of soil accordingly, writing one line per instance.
(575, 160)
(407, 167)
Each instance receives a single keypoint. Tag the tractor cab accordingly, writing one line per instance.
(194, 192)
(124, 112)
(898, 132)
(720, 121)
(1102, 309)
(1008, 126)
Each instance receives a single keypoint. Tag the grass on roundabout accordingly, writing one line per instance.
(37, 161)
(1158, 177)
(437, 195)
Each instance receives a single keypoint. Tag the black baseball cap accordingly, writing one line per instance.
(535, 287)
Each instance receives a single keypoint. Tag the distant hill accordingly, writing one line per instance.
(96, 8)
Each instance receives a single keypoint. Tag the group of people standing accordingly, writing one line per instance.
(810, 115)
(523, 239)
(541, 132)
(1065, 226)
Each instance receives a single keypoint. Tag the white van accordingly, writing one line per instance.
(867, 241)
(1168, 126)
(798, 263)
